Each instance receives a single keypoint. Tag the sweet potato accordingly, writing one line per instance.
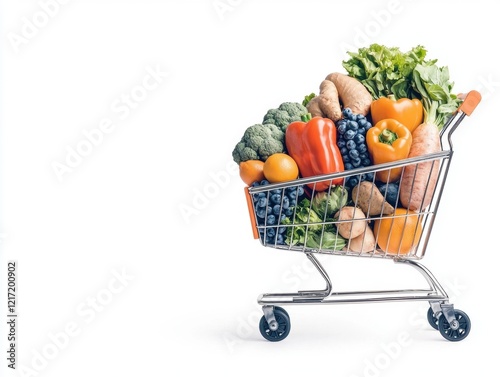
(418, 181)
(368, 197)
(352, 222)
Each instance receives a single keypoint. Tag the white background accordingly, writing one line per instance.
(186, 303)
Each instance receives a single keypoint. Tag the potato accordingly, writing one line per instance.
(368, 197)
(355, 227)
(363, 243)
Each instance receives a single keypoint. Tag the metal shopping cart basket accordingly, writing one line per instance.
(275, 220)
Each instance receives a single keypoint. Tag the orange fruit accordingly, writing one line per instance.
(280, 167)
(251, 171)
(398, 233)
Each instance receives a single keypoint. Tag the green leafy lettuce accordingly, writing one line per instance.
(308, 229)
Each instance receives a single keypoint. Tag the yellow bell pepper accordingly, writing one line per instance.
(388, 141)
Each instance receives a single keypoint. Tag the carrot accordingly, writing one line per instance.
(418, 181)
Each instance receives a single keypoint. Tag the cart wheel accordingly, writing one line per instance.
(433, 321)
(459, 331)
(283, 329)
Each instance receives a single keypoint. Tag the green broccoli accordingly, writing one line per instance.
(285, 114)
(259, 142)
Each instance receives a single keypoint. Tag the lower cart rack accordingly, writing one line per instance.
(453, 324)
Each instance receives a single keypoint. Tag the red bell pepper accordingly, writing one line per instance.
(312, 143)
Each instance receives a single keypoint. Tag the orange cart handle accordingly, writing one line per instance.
(251, 213)
(470, 102)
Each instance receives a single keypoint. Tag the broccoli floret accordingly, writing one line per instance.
(285, 114)
(259, 142)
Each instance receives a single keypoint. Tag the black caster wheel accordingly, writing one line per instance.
(457, 331)
(282, 326)
(433, 321)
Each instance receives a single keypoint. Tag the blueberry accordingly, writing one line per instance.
(341, 143)
(289, 211)
(344, 150)
(341, 127)
(390, 192)
(275, 198)
(280, 240)
(286, 202)
(282, 229)
(261, 212)
(347, 112)
(300, 190)
(276, 210)
(362, 148)
(348, 166)
(349, 134)
(262, 202)
(292, 193)
(271, 219)
(352, 125)
(352, 181)
(366, 162)
(351, 144)
(276, 191)
(354, 154)
(356, 162)
(264, 182)
(359, 139)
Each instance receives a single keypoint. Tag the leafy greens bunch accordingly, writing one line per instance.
(388, 71)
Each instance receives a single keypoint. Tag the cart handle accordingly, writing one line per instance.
(470, 102)
(251, 213)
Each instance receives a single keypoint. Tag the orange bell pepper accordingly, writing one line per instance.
(312, 143)
(410, 112)
(388, 141)
(398, 233)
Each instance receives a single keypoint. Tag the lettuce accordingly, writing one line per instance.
(309, 230)
(386, 70)
(326, 204)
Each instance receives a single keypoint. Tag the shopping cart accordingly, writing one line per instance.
(275, 221)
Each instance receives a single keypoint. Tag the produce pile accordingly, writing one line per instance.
(389, 105)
